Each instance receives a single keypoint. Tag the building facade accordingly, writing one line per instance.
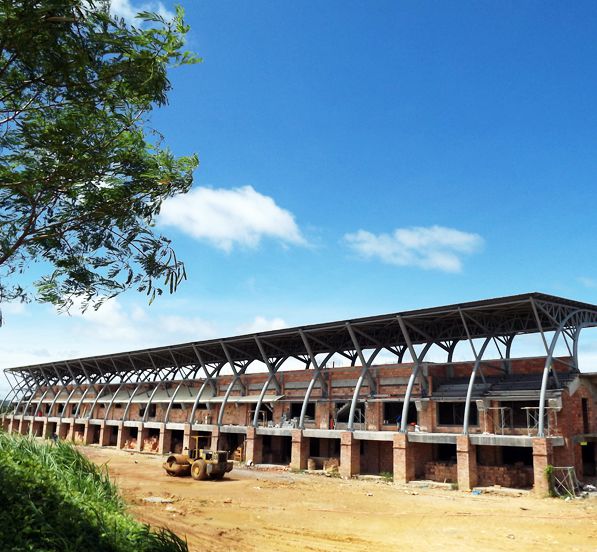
(279, 398)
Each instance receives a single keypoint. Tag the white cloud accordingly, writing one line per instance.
(195, 327)
(262, 324)
(588, 282)
(134, 327)
(12, 308)
(110, 321)
(432, 247)
(127, 10)
(225, 218)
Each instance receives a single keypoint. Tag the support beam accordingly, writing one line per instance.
(316, 375)
(366, 364)
(235, 378)
(417, 359)
(471, 384)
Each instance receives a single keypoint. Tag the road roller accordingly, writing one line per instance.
(200, 464)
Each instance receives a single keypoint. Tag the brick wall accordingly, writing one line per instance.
(517, 477)
(442, 472)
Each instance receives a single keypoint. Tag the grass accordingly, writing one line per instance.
(55, 499)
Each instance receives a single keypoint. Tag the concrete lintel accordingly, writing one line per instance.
(502, 440)
(175, 426)
(114, 423)
(589, 437)
(153, 425)
(439, 438)
(323, 433)
(203, 427)
(278, 431)
(233, 429)
(374, 435)
(133, 423)
(95, 421)
(510, 440)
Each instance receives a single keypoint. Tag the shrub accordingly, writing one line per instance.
(55, 499)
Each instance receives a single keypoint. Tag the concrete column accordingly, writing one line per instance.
(542, 457)
(215, 438)
(466, 455)
(404, 459)
(165, 442)
(105, 431)
(350, 455)
(122, 435)
(186, 439)
(24, 427)
(87, 433)
(139, 445)
(322, 414)
(253, 447)
(300, 450)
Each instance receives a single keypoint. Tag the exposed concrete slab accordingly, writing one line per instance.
(323, 433)
(510, 440)
(278, 431)
(233, 429)
(502, 440)
(175, 426)
(153, 425)
(439, 438)
(591, 437)
(374, 435)
(204, 427)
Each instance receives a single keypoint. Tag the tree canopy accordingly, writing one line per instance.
(82, 175)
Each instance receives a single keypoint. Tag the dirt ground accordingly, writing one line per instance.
(284, 511)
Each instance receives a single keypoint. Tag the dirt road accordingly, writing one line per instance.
(283, 511)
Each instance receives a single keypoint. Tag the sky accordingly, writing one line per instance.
(360, 158)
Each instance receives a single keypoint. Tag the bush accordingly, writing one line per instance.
(55, 499)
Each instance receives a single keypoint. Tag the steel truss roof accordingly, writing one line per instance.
(444, 326)
(495, 321)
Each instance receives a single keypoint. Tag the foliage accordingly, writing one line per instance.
(55, 499)
(388, 477)
(548, 473)
(82, 177)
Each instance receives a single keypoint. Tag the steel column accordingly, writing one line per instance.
(364, 372)
(471, 383)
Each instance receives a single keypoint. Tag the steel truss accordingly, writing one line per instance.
(480, 324)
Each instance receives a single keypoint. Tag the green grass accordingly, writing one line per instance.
(54, 499)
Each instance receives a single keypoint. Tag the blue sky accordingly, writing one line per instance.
(360, 158)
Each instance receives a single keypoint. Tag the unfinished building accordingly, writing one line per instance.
(280, 397)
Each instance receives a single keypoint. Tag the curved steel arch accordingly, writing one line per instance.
(366, 364)
(92, 384)
(25, 382)
(33, 394)
(124, 382)
(71, 394)
(471, 384)
(590, 318)
(317, 367)
(105, 386)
